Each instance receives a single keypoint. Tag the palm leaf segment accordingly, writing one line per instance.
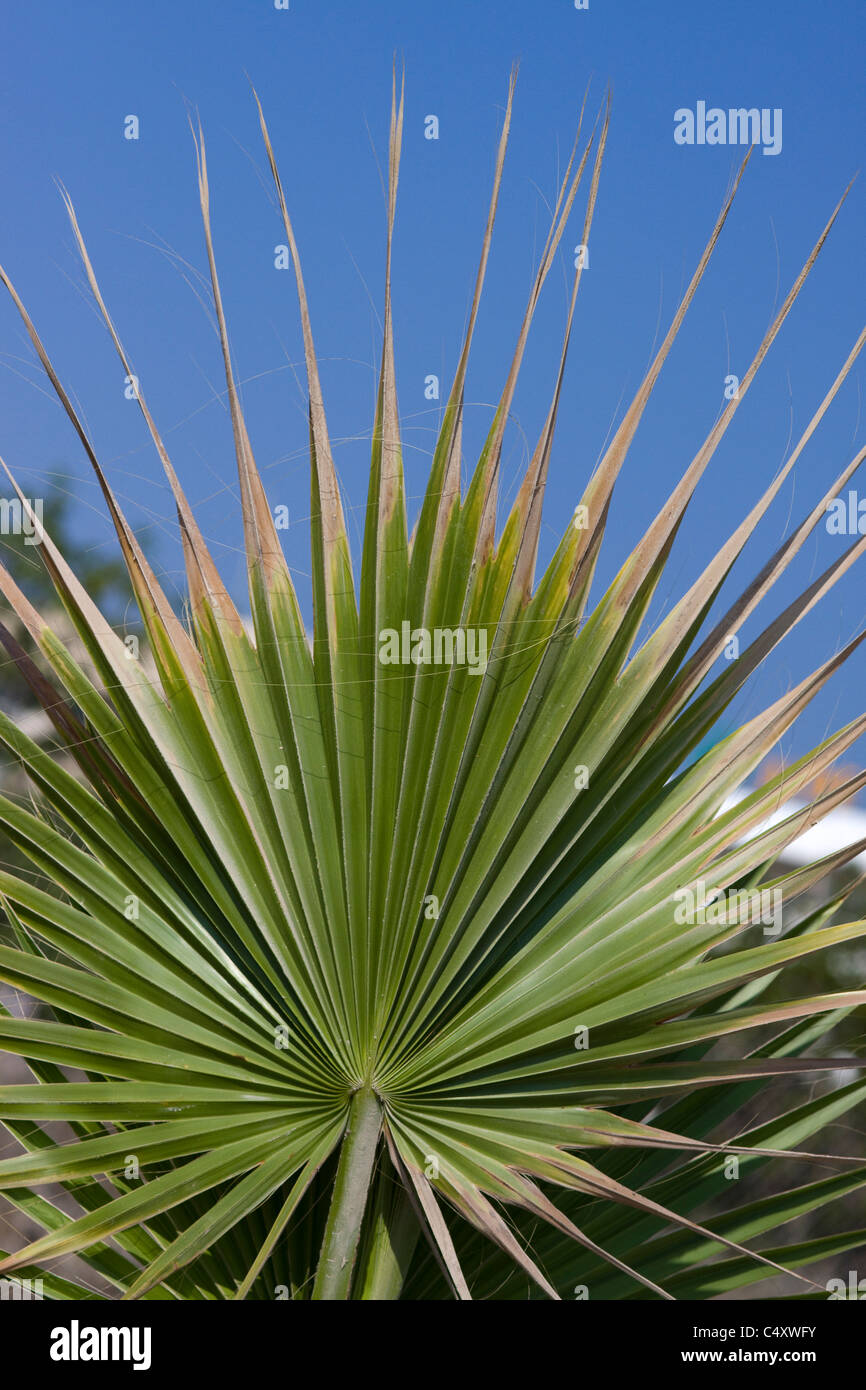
(328, 927)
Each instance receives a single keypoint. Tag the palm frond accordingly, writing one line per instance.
(313, 925)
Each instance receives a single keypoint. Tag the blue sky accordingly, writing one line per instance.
(72, 74)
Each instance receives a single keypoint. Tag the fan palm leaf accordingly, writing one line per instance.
(374, 972)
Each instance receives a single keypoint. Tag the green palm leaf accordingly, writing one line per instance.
(320, 931)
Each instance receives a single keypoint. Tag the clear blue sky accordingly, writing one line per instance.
(72, 73)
